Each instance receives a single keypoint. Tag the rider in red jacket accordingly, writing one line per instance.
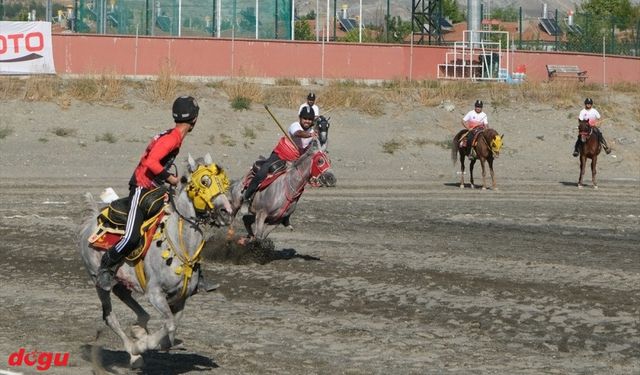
(149, 178)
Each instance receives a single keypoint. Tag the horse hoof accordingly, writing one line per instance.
(136, 361)
(595, 186)
(579, 186)
(461, 186)
(138, 332)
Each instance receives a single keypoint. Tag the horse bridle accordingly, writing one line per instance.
(195, 222)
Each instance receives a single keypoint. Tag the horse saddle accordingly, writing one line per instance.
(112, 222)
(275, 170)
(470, 137)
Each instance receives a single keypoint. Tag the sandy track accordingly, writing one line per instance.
(429, 279)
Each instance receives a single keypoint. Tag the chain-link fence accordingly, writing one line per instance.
(226, 18)
(590, 33)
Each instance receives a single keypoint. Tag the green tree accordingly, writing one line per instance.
(619, 10)
(507, 14)
(309, 16)
(303, 31)
(353, 36)
(451, 10)
(247, 20)
(398, 30)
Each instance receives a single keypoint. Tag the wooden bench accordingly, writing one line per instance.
(566, 71)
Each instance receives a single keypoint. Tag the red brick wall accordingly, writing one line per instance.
(128, 55)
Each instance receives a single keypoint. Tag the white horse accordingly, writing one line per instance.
(169, 272)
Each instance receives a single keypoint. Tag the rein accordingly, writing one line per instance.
(195, 223)
(188, 262)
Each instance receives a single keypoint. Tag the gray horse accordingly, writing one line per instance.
(169, 272)
(277, 201)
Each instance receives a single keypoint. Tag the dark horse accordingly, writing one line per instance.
(589, 149)
(486, 146)
(327, 178)
(322, 128)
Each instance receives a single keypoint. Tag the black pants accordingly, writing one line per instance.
(131, 237)
(261, 175)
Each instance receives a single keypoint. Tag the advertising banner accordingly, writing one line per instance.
(26, 48)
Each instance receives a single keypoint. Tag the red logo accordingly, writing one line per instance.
(41, 360)
(32, 42)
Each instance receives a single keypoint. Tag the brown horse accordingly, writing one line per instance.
(589, 149)
(486, 147)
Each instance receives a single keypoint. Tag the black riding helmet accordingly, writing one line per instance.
(478, 104)
(311, 96)
(588, 101)
(185, 109)
(307, 113)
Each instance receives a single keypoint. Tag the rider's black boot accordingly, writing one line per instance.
(605, 145)
(575, 148)
(108, 266)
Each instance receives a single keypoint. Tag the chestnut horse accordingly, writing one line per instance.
(486, 146)
(589, 149)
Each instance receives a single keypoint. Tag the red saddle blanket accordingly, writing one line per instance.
(106, 235)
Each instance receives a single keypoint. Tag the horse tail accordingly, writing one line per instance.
(455, 148)
(90, 212)
(91, 207)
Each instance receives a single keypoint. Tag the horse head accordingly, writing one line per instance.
(320, 161)
(496, 143)
(584, 129)
(206, 186)
(322, 127)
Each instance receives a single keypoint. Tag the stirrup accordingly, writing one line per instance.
(575, 154)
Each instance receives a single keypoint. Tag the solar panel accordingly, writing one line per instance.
(575, 29)
(347, 24)
(550, 26)
(445, 24)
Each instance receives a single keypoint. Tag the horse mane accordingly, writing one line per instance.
(490, 133)
(310, 151)
(583, 125)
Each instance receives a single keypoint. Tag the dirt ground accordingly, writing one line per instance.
(395, 270)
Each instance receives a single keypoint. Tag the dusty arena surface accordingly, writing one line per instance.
(396, 270)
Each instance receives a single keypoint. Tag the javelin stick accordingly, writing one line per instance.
(278, 123)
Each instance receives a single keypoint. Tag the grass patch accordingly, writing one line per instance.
(288, 97)
(287, 82)
(106, 137)
(227, 140)
(64, 132)
(5, 132)
(240, 103)
(344, 95)
(421, 142)
(243, 89)
(11, 87)
(211, 140)
(390, 147)
(43, 140)
(248, 133)
(214, 84)
(42, 88)
(164, 88)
